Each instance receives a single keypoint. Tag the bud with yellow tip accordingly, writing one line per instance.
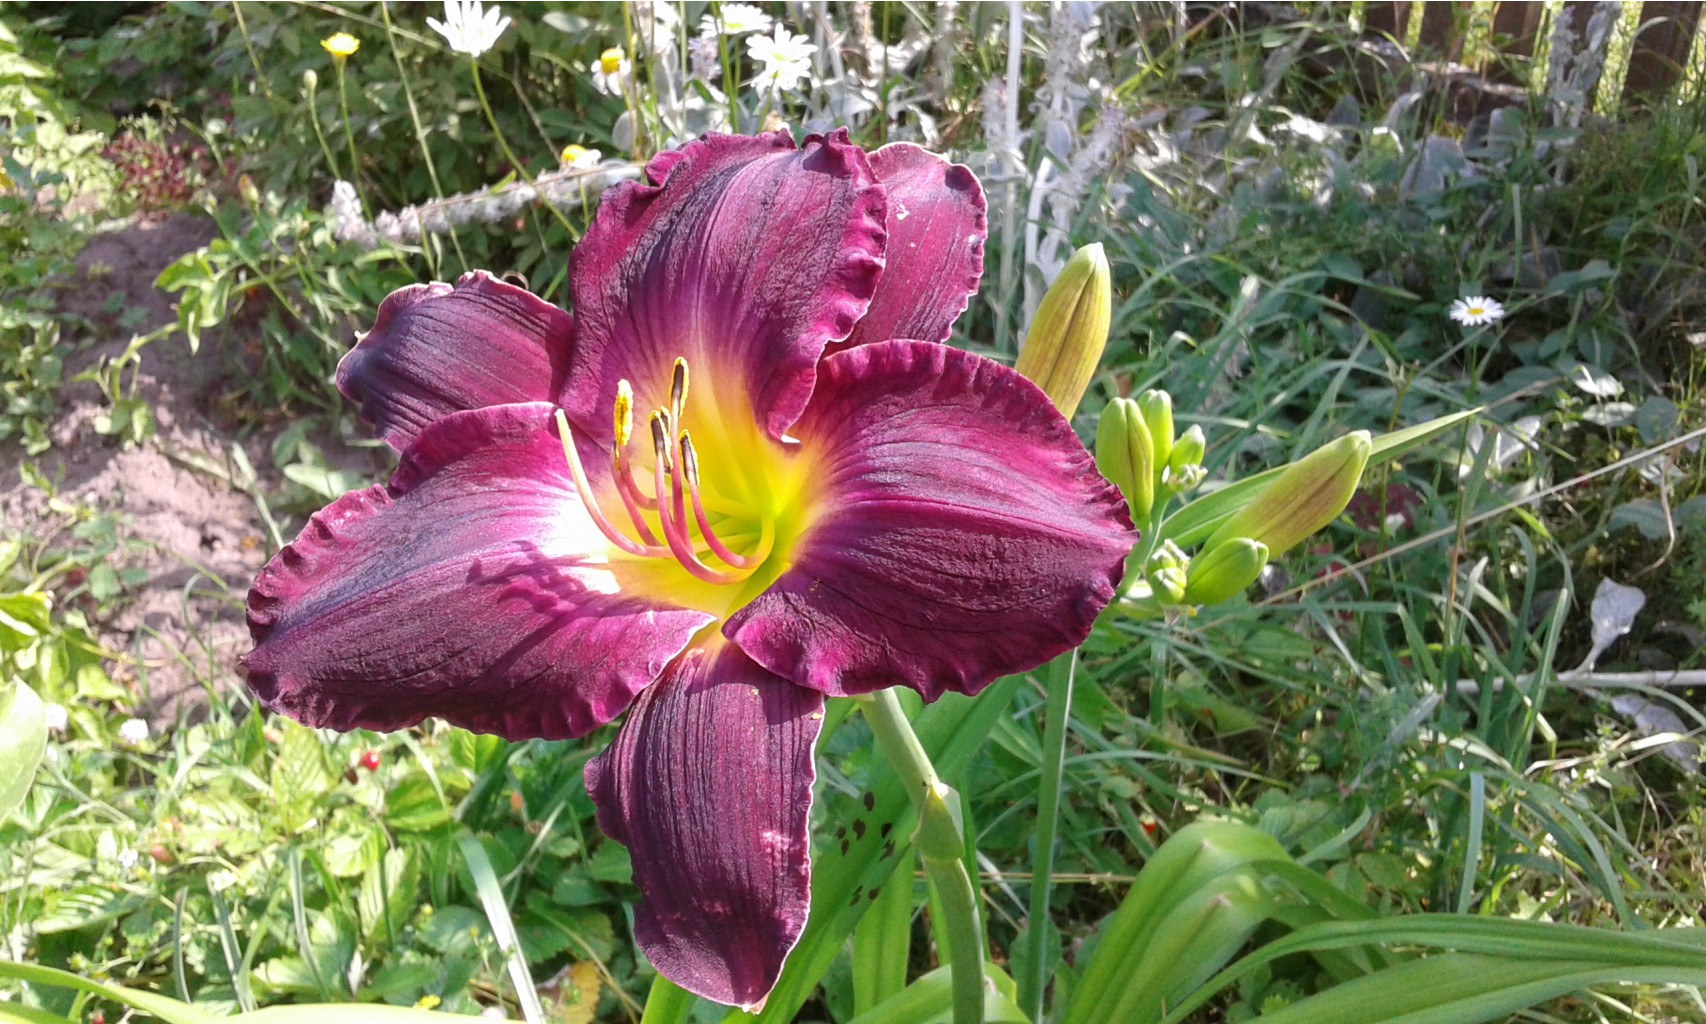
(1126, 456)
(1067, 336)
(1306, 497)
(1224, 571)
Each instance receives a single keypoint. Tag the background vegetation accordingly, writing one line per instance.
(1425, 707)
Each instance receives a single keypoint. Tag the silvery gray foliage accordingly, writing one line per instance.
(1575, 63)
(564, 189)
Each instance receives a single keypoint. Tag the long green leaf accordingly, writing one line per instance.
(930, 1000)
(882, 942)
(1464, 988)
(503, 929)
(1679, 950)
(23, 741)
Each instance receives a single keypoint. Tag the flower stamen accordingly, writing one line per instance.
(678, 389)
(674, 530)
(689, 468)
(590, 502)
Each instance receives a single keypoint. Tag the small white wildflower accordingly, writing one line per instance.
(580, 157)
(56, 717)
(127, 859)
(610, 74)
(468, 27)
(738, 20)
(493, 1013)
(1477, 310)
(786, 58)
(133, 732)
(221, 880)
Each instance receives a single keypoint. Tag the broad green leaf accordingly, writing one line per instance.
(23, 741)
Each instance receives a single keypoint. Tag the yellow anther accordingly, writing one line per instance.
(624, 413)
(678, 386)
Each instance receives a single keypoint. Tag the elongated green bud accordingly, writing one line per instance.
(1306, 497)
(1224, 571)
(1157, 408)
(1125, 456)
(1184, 463)
(941, 831)
(1066, 338)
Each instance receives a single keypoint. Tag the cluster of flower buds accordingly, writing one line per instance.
(1135, 449)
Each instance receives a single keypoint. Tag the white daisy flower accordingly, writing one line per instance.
(468, 27)
(610, 75)
(1477, 310)
(786, 58)
(577, 157)
(127, 859)
(738, 20)
(133, 732)
(221, 880)
(56, 716)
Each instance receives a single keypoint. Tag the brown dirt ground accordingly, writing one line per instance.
(198, 538)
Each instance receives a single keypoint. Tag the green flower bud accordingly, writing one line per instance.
(1306, 497)
(1184, 462)
(1157, 408)
(1224, 571)
(1066, 337)
(1126, 457)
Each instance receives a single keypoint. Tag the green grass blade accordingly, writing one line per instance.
(882, 942)
(667, 1003)
(503, 929)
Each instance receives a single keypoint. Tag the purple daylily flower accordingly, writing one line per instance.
(784, 525)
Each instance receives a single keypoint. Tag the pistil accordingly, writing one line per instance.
(675, 531)
(590, 502)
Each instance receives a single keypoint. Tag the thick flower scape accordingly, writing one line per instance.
(744, 476)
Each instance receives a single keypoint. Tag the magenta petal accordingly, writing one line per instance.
(962, 531)
(937, 224)
(437, 349)
(472, 588)
(709, 785)
(746, 258)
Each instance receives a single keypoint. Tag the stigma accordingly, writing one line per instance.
(677, 520)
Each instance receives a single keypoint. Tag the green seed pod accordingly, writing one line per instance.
(1157, 408)
(1066, 337)
(1126, 457)
(1224, 571)
(1306, 497)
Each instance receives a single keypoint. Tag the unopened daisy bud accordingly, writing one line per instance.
(310, 80)
(1224, 571)
(1167, 573)
(1184, 461)
(1067, 336)
(1157, 409)
(1306, 497)
(1126, 456)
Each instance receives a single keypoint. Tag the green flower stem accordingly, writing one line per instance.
(309, 81)
(1033, 970)
(349, 138)
(941, 845)
(503, 144)
(421, 140)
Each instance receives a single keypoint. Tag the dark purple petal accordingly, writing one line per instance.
(746, 257)
(961, 531)
(937, 224)
(437, 349)
(473, 588)
(709, 785)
